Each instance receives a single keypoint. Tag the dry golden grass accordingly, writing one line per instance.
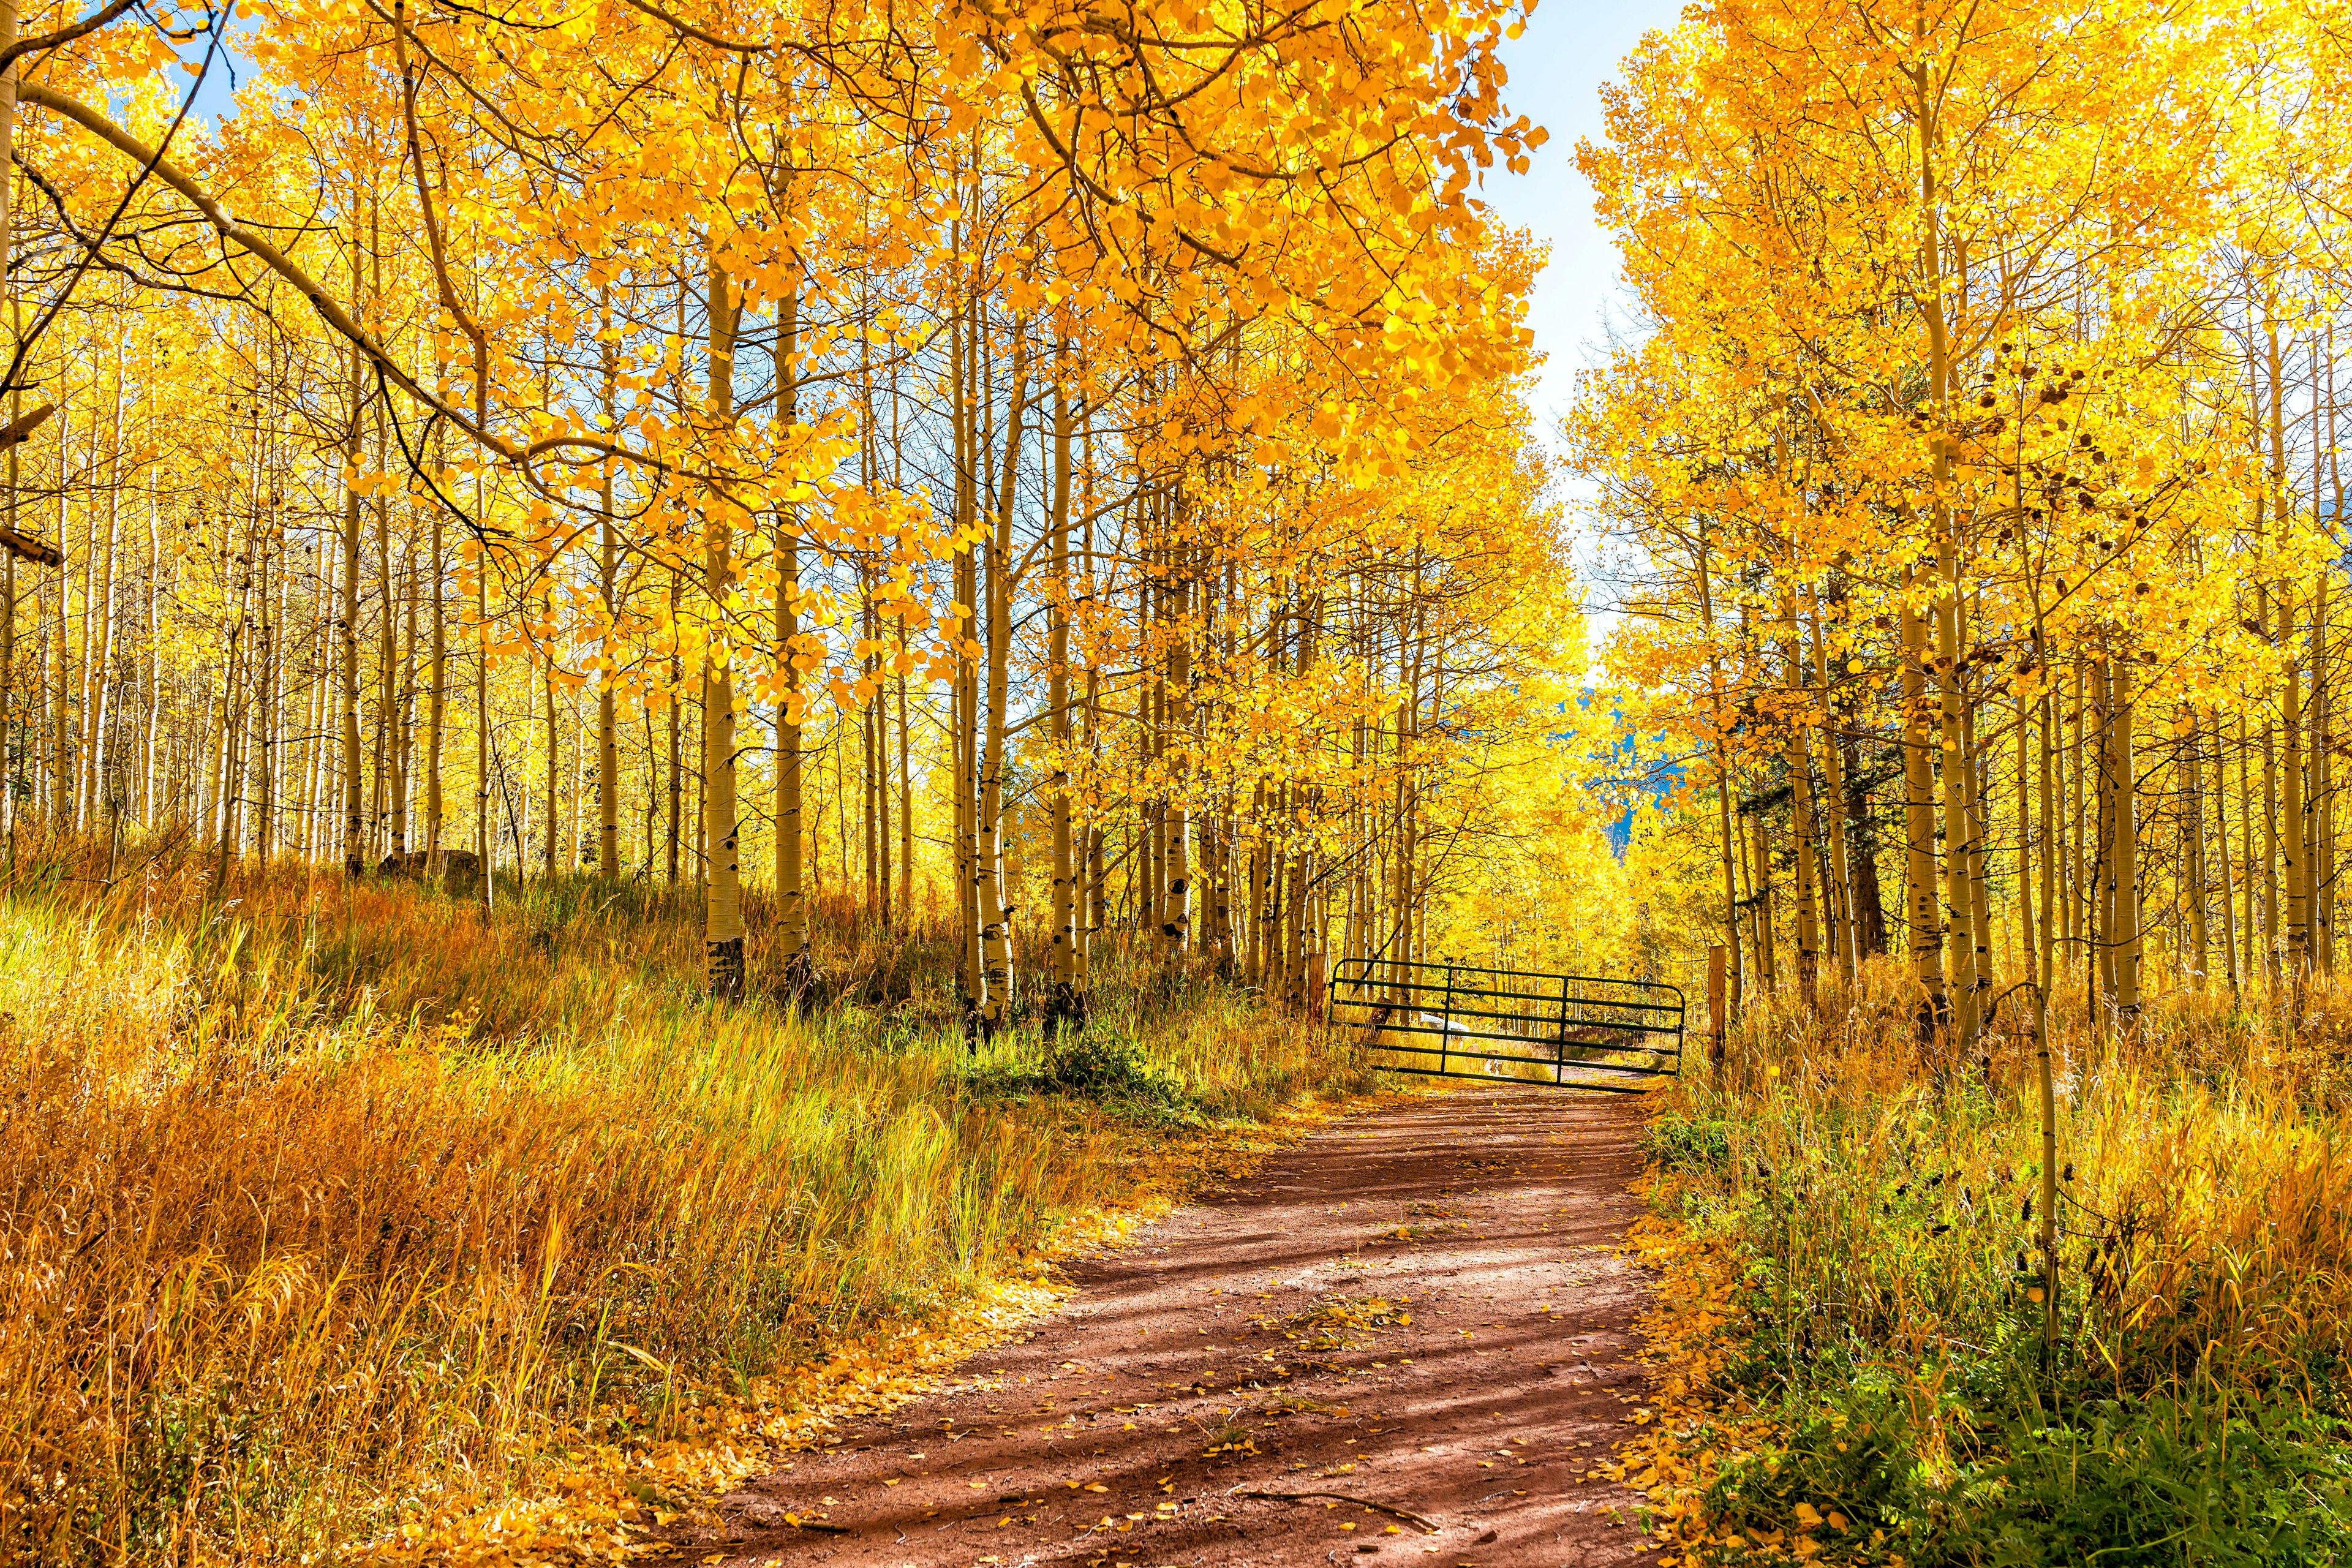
(319, 1194)
(2209, 1209)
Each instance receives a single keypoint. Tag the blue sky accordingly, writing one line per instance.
(1557, 67)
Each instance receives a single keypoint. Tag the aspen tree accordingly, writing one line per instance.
(964, 722)
(1840, 902)
(2293, 861)
(791, 896)
(608, 562)
(1923, 935)
(996, 919)
(348, 631)
(10, 753)
(2125, 936)
(437, 707)
(1066, 1005)
(723, 919)
(1718, 722)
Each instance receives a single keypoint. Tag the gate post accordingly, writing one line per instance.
(1714, 1012)
(1445, 1033)
(1560, 1051)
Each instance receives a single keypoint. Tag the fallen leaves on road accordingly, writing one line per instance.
(1686, 1424)
(598, 1496)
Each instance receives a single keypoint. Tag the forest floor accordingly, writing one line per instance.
(1421, 1316)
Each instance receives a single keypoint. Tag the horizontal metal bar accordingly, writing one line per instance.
(1369, 967)
(1574, 1021)
(1550, 1036)
(1577, 1066)
(1521, 1082)
(1473, 1046)
(1375, 993)
(1593, 1012)
(1627, 992)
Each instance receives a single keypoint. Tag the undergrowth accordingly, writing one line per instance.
(1858, 1315)
(325, 1198)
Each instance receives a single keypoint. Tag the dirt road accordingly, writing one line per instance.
(1418, 1309)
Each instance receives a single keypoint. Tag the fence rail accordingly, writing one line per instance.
(1456, 1020)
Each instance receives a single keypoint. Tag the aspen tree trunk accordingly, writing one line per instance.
(2103, 865)
(2126, 931)
(1923, 935)
(404, 716)
(2249, 964)
(265, 716)
(1308, 948)
(1097, 918)
(1760, 850)
(1862, 832)
(10, 753)
(2069, 755)
(905, 797)
(701, 817)
(2026, 948)
(2319, 840)
(2292, 861)
(233, 676)
(485, 832)
(963, 354)
(2195, 874)
(49, 712)
(791, 895)
(1409, 785)
(348, 631)
(1800, 815)
(2272, 945)
(1957, 765)
(608, 566)
(673, 777)
(996, 932)
(73, 665)
(437, 703)
(652, 799)
(486, 838)
(1976, 773)
(1176, 732)
(869, 825)
(554, 770)
(1258, 891)
(2221, 848)
(2324, 692)
(1064, 1006)
(2047, 971)
(61, 801)
(1293, 931)
(1150, 699)
(150, 809)
(722, 937)
(100, 702)
(1716, 717)
(2293, 858)
(879, 705)
(576, 830)
(1945, 526)
(1843, 928)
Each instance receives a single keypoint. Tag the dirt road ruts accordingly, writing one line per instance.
(1256, 1342)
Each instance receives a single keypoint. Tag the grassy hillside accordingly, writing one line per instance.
(317, 1189)
(1853, 1323)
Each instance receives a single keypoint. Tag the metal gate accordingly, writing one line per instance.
(1453, 1020)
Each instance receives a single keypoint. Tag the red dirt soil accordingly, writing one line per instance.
(1192, 1367)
